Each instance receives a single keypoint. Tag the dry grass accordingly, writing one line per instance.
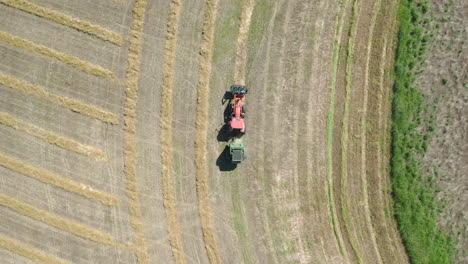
(58, 181)
(201, 125)
(68, 103)
(29, 252)
(58, 222)
(241, 51)
(330, 126)
(64, 58)
(170, 206)
(51, 138)
(130, 153)
(66, 20)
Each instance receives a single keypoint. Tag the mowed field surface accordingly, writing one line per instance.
(111, 117)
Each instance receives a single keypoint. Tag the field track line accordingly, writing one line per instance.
(58, 181)
(29, 252)
(330, 123)
(59, 222)
(369, 225)
(68, 103)
(201, 125)
(64, 58)
(344, 132)
(130, 152)
(167, 155)
(241, 49)
(66, 20)
(51, 138)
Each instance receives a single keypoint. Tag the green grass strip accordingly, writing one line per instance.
(414, 195)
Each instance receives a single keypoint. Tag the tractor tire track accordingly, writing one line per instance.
(52, 138)
(241, 51)
(329, 135)
(61, 57)
(59, 222)
(309, 159)
(66, 20)
(167, 155)
(364, 121)
(58, 181)
(29, 252)
(201, 125)
(129, 130)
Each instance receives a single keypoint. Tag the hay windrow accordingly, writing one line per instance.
(130, 154)
(170, 206)
(64, 58)
(52, 138)
(58, 181)
(68, 103)
(241, 50)
(29, 252)
(66, 20)
(58, 222)
(201, 125)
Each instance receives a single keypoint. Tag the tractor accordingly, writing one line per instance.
(237, 123)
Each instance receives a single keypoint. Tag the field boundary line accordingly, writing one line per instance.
(58, 181)
(241, 49)
(330, 124)
(167, 158)
(129, 129)
(59, 222)
(52, 138)
(29, 252)
(63, 101)
(364, 132)
(66, 20)
(201, 125)
(67, 59)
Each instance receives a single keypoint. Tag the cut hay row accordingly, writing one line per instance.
(51, 138)
(68, 103)
(241, 50)
(64, 58)
(167, 157)
(29, 252)
(364, 152)
(130, 152)
(58, 181)
(58, 222)
(66, 20)
(330, 124)
(345, 128)
(201, 128)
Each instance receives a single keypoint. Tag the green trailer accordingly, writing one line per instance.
(237, 151)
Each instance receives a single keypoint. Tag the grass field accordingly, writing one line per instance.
(414, 194)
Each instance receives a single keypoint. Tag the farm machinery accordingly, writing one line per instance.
(237, 123)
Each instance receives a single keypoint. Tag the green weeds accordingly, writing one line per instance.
(414, 195)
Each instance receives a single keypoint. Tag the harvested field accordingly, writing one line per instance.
(111, 131)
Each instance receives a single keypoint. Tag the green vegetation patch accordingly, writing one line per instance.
(414, 195)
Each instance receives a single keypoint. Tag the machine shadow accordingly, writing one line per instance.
(224, 162)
